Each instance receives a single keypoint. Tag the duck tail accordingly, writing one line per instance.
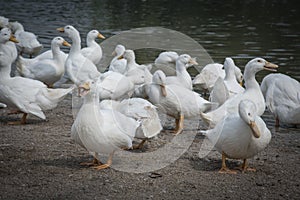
(49, 98)
(59, 93)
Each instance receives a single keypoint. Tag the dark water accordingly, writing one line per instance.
(238, 29)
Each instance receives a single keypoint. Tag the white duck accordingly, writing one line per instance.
(182, 77)
(78, 68)
(101, 130)
(93, 51)
(47, 70)
(166, 61)
(252, 92)
(142, 111)
(118, 65)
(4, 22)
(210, 73)
(28, 42)
(7, 44)
(240, 135)
(232, 87)
(176, 101)
(26, 95)
(282, 95)
(138, 74)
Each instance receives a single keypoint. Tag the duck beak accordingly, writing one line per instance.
(100, 36)
(121, 57)
(65, 43)
(163, 90)
(254, 128)
(192, 61)
(84, 89)
(114, 53)
(13, 39)
(62, 30)
(241, 83)
(270, 66)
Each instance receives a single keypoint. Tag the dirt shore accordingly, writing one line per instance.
(39, 160)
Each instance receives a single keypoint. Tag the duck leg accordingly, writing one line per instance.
(179, 125)
(94, 162)
(22, 121)
(224, 169)
(244, 167)
(139, 145)
(107, 165)
(276, 122)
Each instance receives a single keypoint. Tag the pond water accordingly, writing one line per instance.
(242, 30)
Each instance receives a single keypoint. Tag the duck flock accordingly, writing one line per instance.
(123, 103)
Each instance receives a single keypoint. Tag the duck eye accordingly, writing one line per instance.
(249, 114)
(259, 61)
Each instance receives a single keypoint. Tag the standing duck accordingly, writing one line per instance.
(25, 95)
(240, 135)
(102, 131)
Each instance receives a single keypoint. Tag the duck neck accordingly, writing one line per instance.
(250, 81)
(182, 72)
(229, 74)
(90, 42)
(5, 72)
(131, 63)
(55, 51)
(76, 43)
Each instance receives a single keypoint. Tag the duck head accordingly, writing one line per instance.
(258, 64)
(69, 30)
(6, 35)
(89, 90)
(93, 34)
(247, 111)
(128, 55)
(119, 50)
(186, 60)
(60, 41)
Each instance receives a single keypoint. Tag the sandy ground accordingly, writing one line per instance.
(40, 161)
